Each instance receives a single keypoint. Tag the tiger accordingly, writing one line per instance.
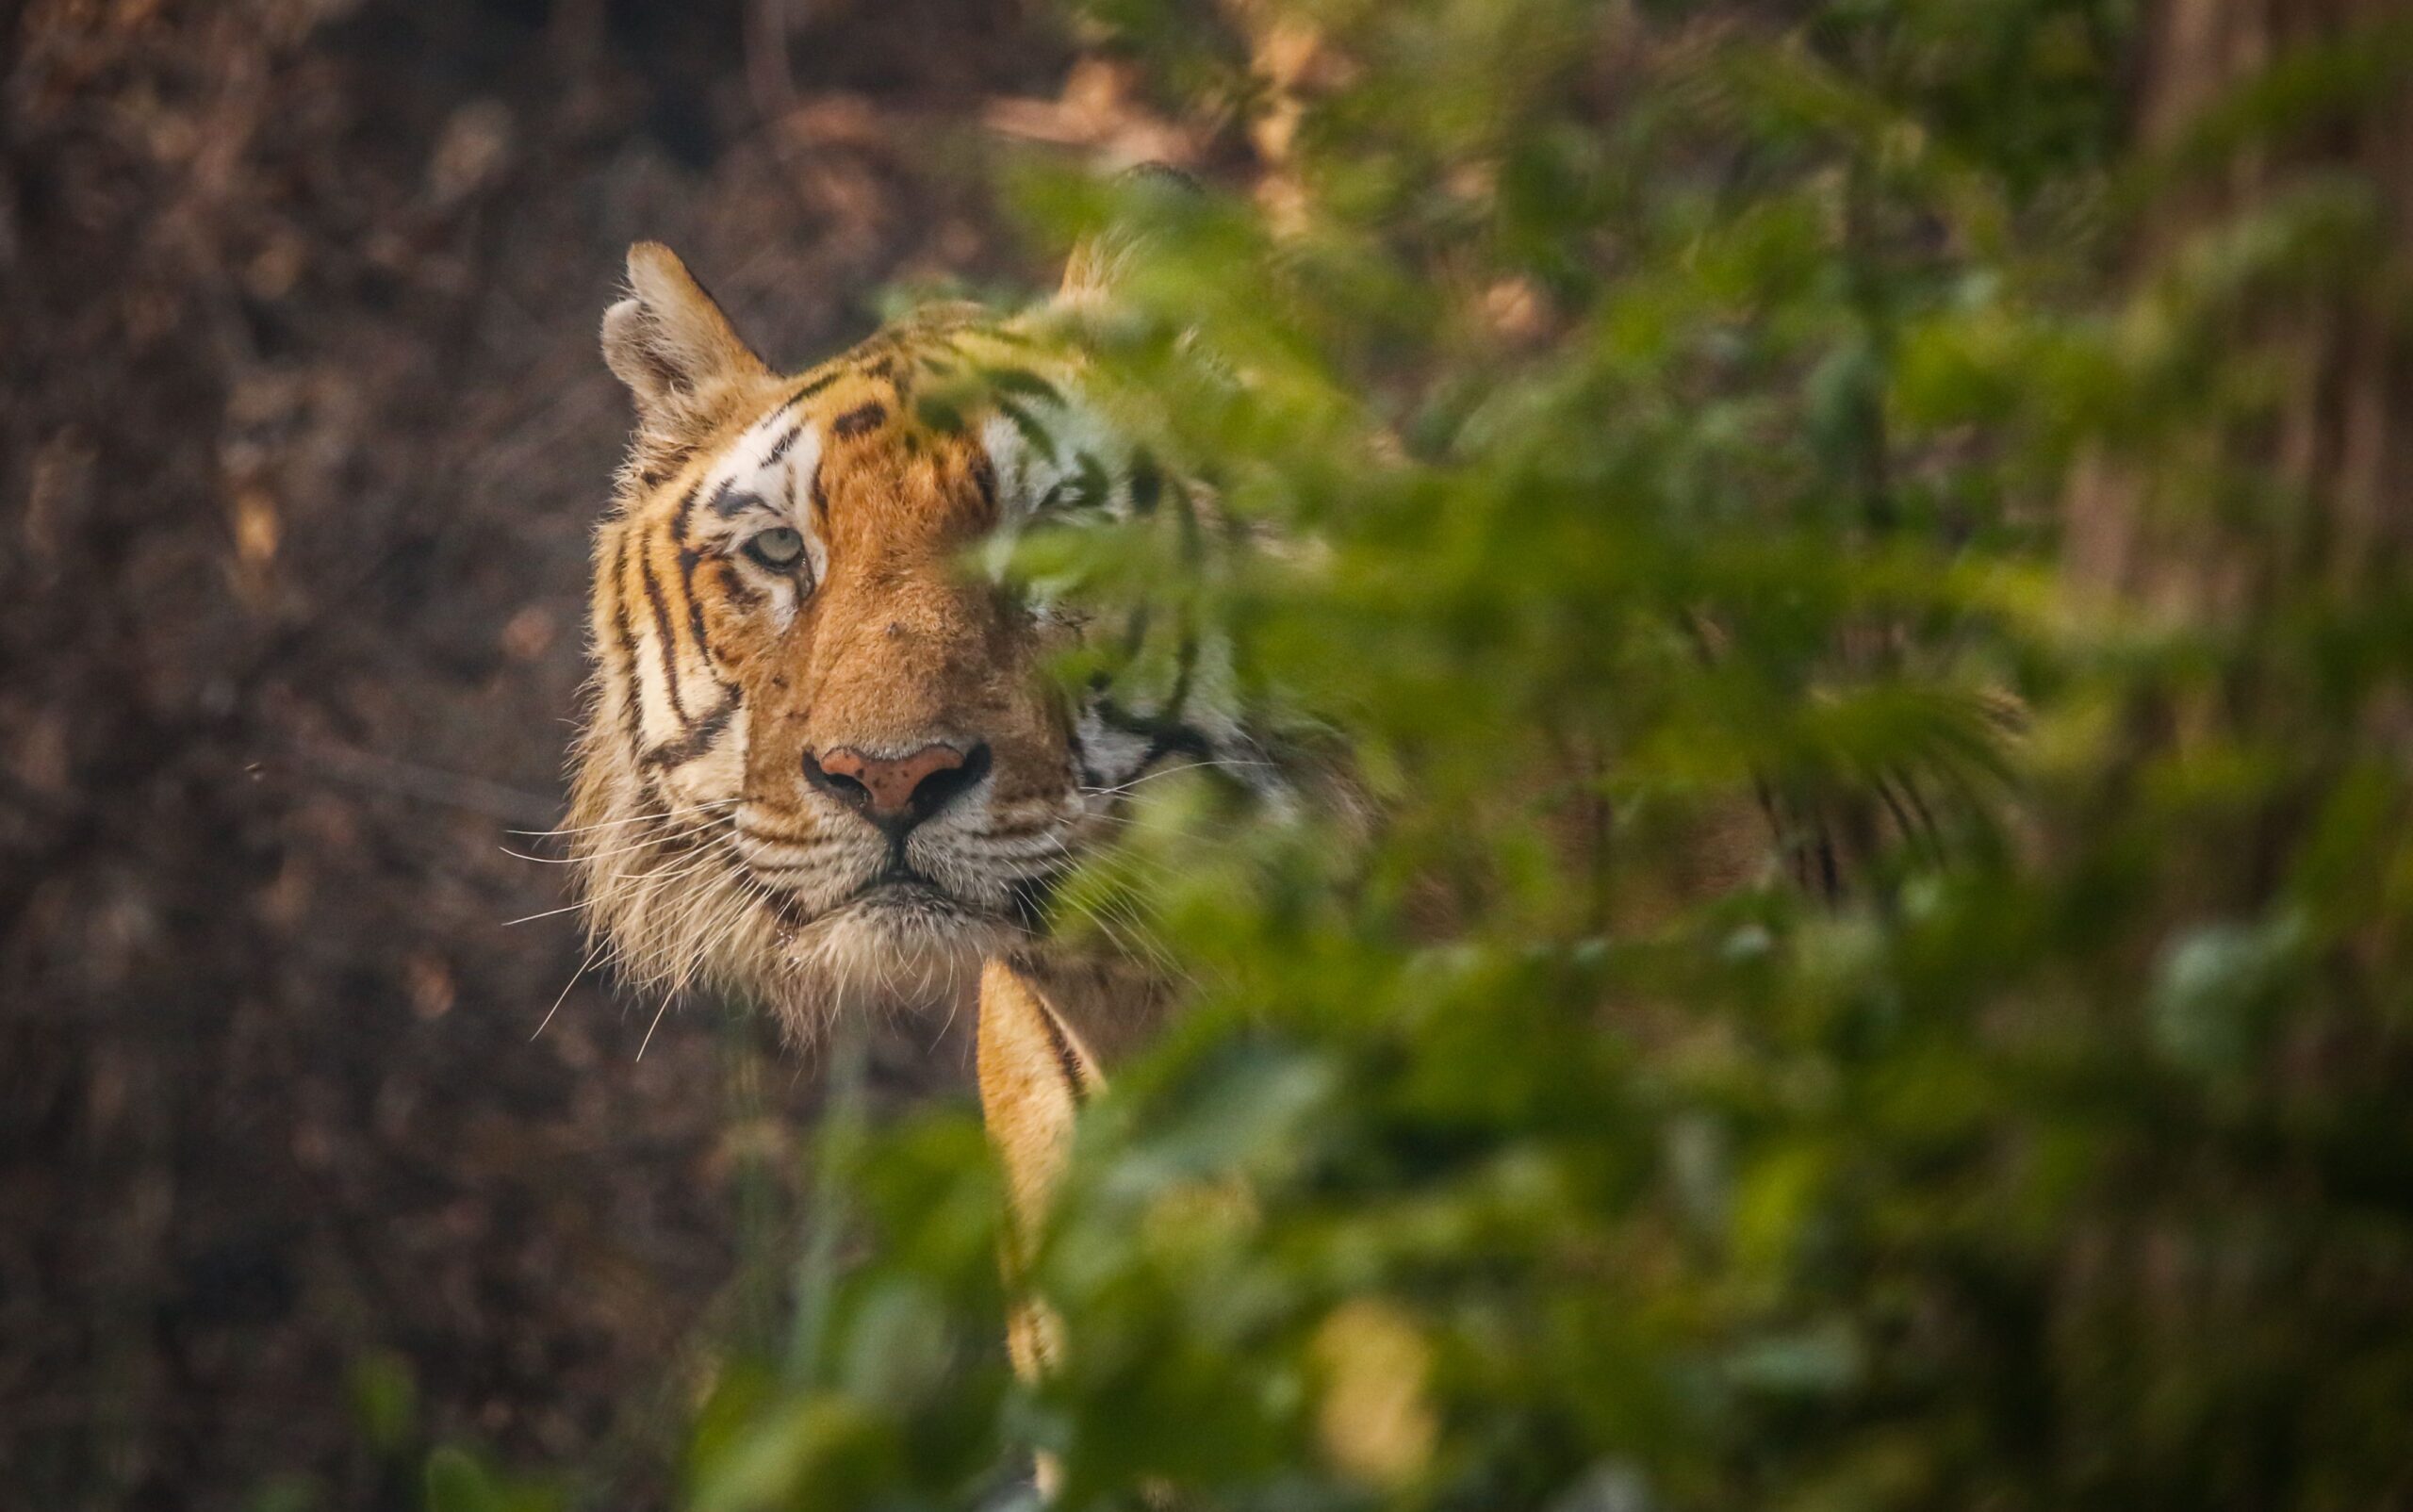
(824, 765)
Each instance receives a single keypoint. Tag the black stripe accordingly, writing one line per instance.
(1165, 736)
(814, 386)
(1185, 667)
(1165, 729)
(1023, 380)
(687, 508)
(1067, 1059)
(625, 640)
(734, 588)
(1147, 484)
(688, 557)
(687, 561)
(859, 419)
(1095, 487)
(662, 627)
(779, 448)
(1035, 435)
(699, 739)
(984, 481)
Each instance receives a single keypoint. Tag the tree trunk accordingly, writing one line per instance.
(2336, 439)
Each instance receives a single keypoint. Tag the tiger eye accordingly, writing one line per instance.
(777, 549)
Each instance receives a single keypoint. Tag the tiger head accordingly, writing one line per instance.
(824, 765)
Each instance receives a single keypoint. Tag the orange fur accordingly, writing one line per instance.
(787, 575)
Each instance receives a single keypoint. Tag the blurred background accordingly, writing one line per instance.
(1968, 441)
(303, 432)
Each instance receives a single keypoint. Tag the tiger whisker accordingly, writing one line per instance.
(655, 1024)
(1218, 764)
(616, 824)
(702, 859)
(531, 918)
(1139, 941)
(701, 954)
(594, 950)
(592, 855)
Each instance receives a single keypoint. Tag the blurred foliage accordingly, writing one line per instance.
(1672, 414)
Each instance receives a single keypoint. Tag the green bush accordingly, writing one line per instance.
(1685, 424)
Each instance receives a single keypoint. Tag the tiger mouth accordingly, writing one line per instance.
(888, 891)
(1023, 908)
(903, 886)
(955, 892)
(897, 892)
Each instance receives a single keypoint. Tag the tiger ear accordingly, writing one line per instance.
(675, 349)
(1099, 259)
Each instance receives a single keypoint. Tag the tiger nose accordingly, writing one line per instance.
(897, 792)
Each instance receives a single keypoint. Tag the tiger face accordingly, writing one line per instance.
(823, 764)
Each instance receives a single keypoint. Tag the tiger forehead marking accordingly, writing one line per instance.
(823, 764)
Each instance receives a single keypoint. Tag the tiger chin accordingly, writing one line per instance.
(823, 764)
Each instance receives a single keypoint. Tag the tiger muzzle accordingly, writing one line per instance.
(897, 792)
